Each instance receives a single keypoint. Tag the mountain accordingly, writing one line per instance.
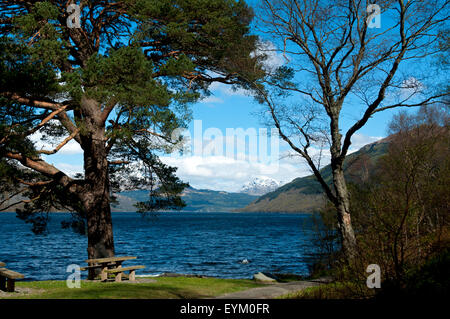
(304, 194)
(260, 186)
(197, 200)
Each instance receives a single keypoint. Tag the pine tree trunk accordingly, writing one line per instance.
(99, 223)
(96, 197)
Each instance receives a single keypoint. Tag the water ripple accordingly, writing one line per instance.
(208, 244)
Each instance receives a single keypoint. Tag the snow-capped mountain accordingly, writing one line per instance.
(260, 186)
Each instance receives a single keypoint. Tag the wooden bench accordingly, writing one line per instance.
(8, 279)
(119, 271)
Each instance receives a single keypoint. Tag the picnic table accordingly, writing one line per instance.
(111, 265)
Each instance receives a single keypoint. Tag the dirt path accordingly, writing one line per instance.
(272, 290)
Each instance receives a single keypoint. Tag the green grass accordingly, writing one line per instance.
(336, 290)
(163, 288)
(288, 277)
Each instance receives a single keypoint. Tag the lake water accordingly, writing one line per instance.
(211, 244)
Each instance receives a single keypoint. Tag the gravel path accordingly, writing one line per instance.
(272, 290)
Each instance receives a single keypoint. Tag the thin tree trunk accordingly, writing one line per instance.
(343, 213)
(341, 201)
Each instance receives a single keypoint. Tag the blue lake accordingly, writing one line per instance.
(210, 244)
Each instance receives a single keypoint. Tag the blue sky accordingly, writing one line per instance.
(227, 109)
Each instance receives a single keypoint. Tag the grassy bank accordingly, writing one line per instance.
(158, 288)
(335, 290)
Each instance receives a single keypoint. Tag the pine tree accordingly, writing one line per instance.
(118, 84)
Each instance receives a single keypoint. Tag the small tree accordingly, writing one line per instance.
(337, 61)
(401, 215)
(118, 84)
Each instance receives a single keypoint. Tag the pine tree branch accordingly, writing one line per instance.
(66, 140)
(45, 120)
(46, 169)
(58, 109)
(48, 105)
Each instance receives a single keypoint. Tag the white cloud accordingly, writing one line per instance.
(410, 87)
(274, 59)
(211, 100)
(227, 160)
(227, 90)
(359, 140)
(221, 172)
(229, 174)
(71, 148)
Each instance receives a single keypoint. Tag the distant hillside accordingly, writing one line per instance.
(304, 194)
(197, 200)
